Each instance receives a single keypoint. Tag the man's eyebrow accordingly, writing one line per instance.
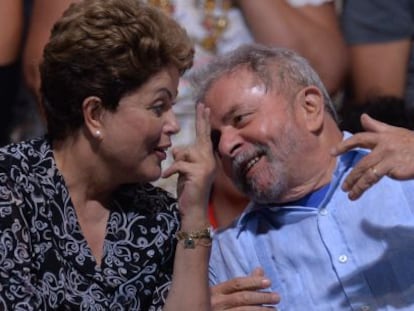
(229, 114)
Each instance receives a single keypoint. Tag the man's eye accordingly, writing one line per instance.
(238, 119)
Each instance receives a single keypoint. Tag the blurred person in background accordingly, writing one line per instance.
(11, 35)
(379, 34)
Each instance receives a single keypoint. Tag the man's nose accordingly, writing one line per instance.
(230, 142)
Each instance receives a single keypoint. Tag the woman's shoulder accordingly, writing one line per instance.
(23, 163)
(22, 169)
(22, 156)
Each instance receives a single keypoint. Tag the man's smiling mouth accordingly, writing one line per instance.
(251, 163)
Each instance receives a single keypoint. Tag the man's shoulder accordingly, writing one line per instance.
(227, 233)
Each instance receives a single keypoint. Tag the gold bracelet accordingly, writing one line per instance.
(190, 238)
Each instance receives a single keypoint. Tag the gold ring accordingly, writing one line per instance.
(375, 172)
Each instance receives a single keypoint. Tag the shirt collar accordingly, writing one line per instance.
(344, 162)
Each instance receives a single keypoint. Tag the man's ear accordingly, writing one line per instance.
(312, 107)
(93, 114)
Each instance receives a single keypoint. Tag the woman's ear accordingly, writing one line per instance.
(93, 115)
(312, 107)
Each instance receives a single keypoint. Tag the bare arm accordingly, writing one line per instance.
(45, 13)
(373, 64)
(392, 155)
(11, 27)
(195, 165)
(313, 31)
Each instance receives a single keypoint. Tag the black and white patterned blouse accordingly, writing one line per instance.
(45, 262)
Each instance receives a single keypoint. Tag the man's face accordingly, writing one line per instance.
(256, 135)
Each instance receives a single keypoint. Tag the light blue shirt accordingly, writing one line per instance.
(339, 255)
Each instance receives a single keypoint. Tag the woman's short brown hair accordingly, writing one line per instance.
(105, 48)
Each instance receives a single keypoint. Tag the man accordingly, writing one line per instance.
(275, 128)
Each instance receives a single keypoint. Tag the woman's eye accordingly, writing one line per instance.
(160, 108)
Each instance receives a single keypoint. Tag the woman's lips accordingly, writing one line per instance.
(161, 154)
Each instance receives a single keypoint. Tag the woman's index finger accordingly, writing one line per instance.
(203, 127)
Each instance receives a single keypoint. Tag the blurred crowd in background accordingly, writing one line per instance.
(370, 70)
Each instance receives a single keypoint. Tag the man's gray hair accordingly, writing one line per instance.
(292, 71)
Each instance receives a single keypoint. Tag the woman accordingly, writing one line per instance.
(80, 227)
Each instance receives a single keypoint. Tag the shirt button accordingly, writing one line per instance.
(343, 258)
(365, 308)
(323, 212)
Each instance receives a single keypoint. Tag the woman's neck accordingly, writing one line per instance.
(79, 165)
(90, 196)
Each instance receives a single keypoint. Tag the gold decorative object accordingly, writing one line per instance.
(215, 20)
(165, 5)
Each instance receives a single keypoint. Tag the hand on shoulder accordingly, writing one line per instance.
(392, 155)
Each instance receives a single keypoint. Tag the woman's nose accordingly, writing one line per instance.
(173, 126)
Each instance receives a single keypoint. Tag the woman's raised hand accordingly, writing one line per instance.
(195, 165)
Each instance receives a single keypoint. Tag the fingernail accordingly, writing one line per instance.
(275, 298)
(352, 196)
(265, 282)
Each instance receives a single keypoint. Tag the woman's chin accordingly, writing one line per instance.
(153, 177)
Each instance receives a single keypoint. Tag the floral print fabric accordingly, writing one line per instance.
(45, 261)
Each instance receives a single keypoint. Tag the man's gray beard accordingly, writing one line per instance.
(275, 176)
(270, 192)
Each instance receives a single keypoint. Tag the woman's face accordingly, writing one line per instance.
(136, 136)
